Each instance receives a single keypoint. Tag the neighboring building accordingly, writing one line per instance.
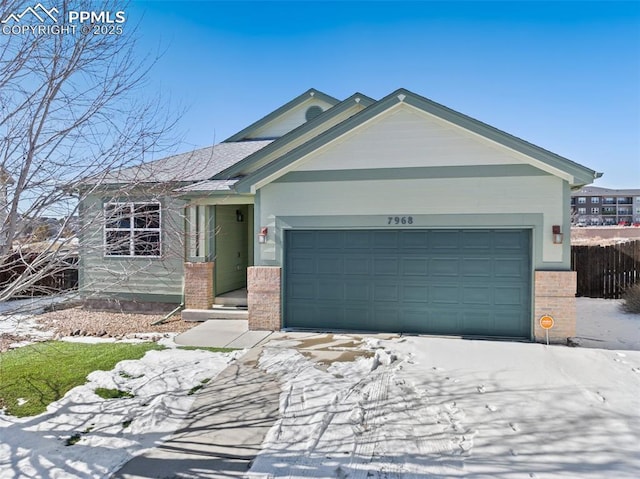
(591, 206)
(358, 215)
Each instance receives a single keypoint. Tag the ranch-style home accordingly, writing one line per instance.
(358, 215)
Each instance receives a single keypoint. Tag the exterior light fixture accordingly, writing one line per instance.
(262, 236)
(239, 216)
(557, 234)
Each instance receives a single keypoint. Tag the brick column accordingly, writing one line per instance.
(198, 285)
(263, 297)
(555, 296)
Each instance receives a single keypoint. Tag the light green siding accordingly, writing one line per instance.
(288, 120)
(140, 277)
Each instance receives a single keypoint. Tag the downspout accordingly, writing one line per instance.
(178, 308)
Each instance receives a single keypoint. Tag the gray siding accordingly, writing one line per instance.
(141, 278)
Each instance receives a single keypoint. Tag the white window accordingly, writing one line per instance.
(582, 199)
(595, 211)
(582, 211)
(132, 229)
(595, 199)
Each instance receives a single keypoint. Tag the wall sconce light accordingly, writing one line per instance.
(557, 234)
(262, 236)
(239, 216)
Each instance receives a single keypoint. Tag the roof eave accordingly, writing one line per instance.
(579, 174)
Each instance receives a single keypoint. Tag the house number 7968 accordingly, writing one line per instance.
(400, 220)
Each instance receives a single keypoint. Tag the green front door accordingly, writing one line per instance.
(451, 282)
(231, 247)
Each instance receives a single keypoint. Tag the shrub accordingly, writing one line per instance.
(631, 299)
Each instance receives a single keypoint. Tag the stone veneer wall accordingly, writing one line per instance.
(198, 285)
(263, 297)
(555, 296)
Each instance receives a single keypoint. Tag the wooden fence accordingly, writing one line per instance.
(63, 278)
(606, 271)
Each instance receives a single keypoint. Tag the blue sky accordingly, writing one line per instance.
(563, 75)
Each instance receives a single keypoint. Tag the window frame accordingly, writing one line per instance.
(595, 211)
(132, 230)
(582, 200)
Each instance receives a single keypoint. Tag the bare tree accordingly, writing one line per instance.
(73, 106)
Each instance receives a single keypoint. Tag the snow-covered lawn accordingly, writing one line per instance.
(435, 407)
(109, 432)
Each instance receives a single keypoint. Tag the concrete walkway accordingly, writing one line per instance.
(222, 333)
(224, 430)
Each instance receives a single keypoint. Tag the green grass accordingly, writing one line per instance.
(105, 393)
(197, 388)
(36, 375)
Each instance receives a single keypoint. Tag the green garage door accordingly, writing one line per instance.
(452, 282)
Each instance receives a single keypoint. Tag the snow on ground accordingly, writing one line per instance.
(602, 324)
(436, 407)
(110, 432)
(404, 407)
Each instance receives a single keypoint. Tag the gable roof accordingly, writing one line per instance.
(580, 175)
(310, 93)
(249, 163)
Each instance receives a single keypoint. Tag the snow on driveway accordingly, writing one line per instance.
(433, 407)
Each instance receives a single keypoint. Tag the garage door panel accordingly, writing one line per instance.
(385, 266)
(357, 291)
(385, 292)
(302, 290)
(415, 266)
(476, 267)
(415, 293)
(414, 240)
(330, 291)
(330, 240)
(440, 321)
(477, 295)
(303, 240)
(459, 282)
(447, 266)
(444, 294)
(385, 240)
(510, 267)
(330, 265)
(476, 240)
(357, 240)
(509, 240)
(357, 265)
(303, 265)
(444, 240)
(510, 295)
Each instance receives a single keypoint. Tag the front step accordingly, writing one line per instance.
(219, 312)
(230, 301)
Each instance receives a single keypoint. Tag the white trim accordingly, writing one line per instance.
(132, 229)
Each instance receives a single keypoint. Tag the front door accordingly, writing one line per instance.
(232, 251)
